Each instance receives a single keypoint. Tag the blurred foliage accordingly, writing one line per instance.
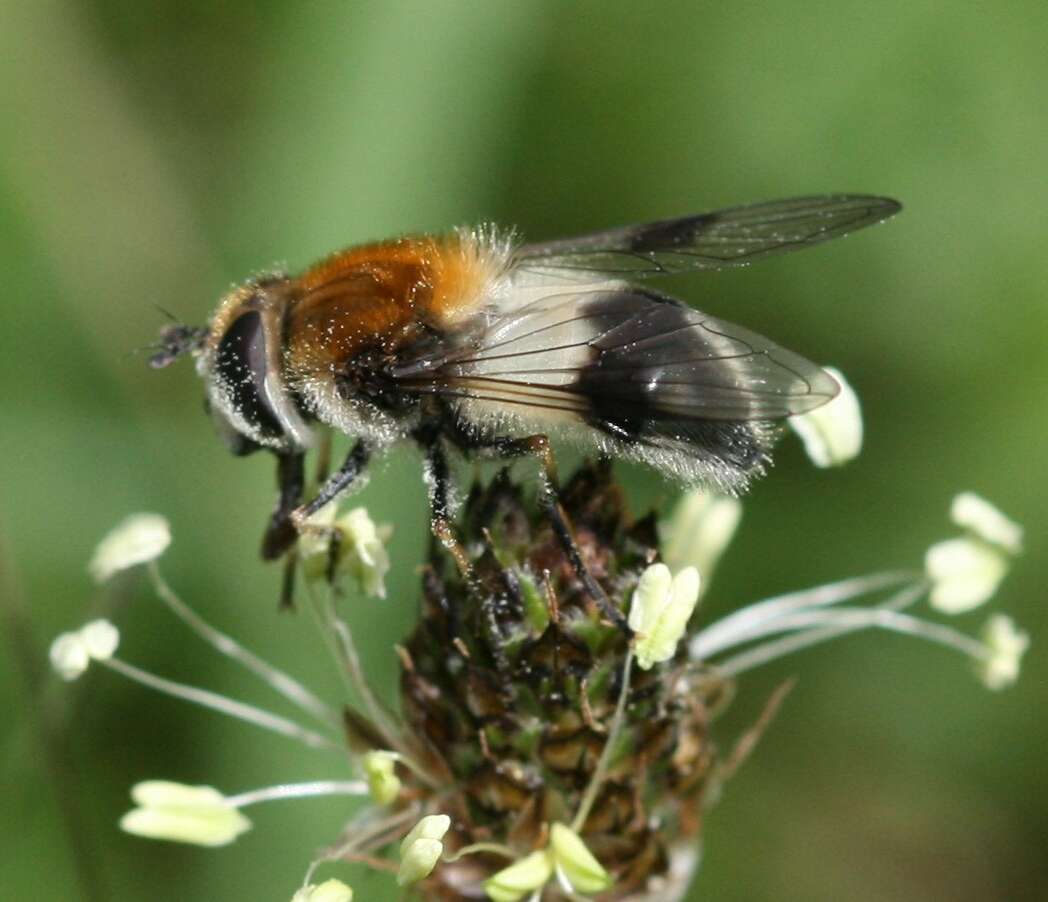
(153, 153)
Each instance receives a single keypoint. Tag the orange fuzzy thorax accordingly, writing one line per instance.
(381, 296)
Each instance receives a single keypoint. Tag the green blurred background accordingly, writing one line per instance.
(153, 153)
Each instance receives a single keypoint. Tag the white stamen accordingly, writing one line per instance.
(216, 702)
(750, 622)
(200, 815)
(299, 791)
(832, 434)
(328, 891)
(1003, 651)
(778, 648)
(965, 572)
(699, 530)
(840, 621)
(978, 515)
(281, 682)
(138, 539)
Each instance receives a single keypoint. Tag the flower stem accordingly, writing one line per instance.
(217, 702)
(603, 763)
(281, 682)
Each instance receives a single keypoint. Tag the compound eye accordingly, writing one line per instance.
(240, 368)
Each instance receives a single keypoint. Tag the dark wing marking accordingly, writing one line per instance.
(627, 360)
(733, 237)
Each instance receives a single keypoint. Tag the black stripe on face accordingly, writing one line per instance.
(240, 368)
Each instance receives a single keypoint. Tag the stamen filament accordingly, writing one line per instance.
(369, 830)
(493, 848)
(829, 624)
(221, 703)
(299, 791)
(752, 621)
(281, 682)
(344, 650)
(777, 648)
(339, 640)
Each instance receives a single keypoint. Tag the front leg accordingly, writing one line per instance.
(281, 534)
(290, 514)
(297, 518)
(336, 484)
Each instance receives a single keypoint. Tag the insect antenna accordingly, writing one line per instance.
(176, 340)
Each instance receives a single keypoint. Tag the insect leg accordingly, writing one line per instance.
(323, 460)
(549, 497)
(337, 483)
(281, 534)
(439, 506)
(334, 485)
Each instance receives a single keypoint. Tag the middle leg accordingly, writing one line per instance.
(538, 446)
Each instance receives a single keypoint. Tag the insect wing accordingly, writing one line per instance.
(631, 361)
(732, 237)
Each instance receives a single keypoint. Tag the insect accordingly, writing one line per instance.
(473, 342)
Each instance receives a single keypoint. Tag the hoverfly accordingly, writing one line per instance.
(473, 342)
